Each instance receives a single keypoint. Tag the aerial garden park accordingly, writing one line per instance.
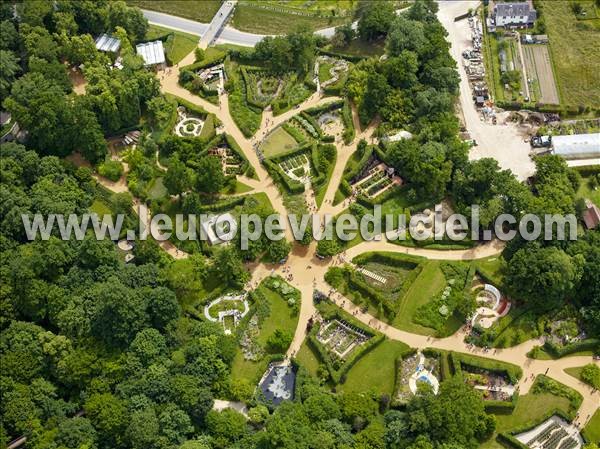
(183, 344)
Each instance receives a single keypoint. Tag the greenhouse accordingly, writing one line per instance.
(577, 146)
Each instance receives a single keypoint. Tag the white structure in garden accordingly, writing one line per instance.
(233, 312)
(421, 374)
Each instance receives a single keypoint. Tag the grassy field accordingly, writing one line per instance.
(254, 19)
(358, 47)
(592, 430)
(179, 47)
(278, 142)
(157, 189)
(201, 11)
(281, 317)
(574, 53)
(236, 188)
(319, 6)
(182, 276)
(575, 372)
(376, 370)
(586, 192)
(530, 407)
(430, 282)
(308, 359)
(324, 72)
(100, 207)
(492, 268)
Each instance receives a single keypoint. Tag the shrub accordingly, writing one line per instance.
(591, 375)
(110, 169)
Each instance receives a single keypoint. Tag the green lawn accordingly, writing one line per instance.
(157, 189)
(586, 192)
(183, 278)
(263, 21)
(376, 370)
(542, 354)
(321, 5)
(530, 407)
(429, 282)
(281, 317)
(358, 47)
(576, 373)
(324, 72)
(592, 430)
(278, 142)
(308, 359)
(516, 327)
(100, 207)
(572, 49)
(201, 11)
(492, 268)
(177, 47)
(236, 188)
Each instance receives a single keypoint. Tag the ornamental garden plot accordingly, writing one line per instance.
(266, 331)
(339, 340)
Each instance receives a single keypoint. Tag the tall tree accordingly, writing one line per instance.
(209, 175)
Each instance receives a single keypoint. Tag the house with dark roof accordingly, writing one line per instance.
(514, 14)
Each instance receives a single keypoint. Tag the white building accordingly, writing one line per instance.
(400, 135)
(218, 229)
(514, 14)
(153, 53)
(577, 146)
(108, 43)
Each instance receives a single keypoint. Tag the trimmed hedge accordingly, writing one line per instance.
(349, 131)
(336, 89)
(338, 376)
(502, 407)
(199, 110)
(318, 110)
(335, 54)
(295, 133)
(310, 119)
(236, 148)
(513, 372)
(222, 205)
(217, 59)
(291, 185)
(352, 172)
(588, 170)
(281, 156)
(398, 366)
(590, 344)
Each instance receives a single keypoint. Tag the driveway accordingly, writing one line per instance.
(504, 141)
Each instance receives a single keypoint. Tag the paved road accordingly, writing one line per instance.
(228, 36)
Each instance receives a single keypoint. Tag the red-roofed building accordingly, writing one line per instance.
(591, 216)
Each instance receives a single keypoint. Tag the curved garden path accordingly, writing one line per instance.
(308, 271)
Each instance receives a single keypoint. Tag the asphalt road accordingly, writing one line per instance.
(228, 36)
